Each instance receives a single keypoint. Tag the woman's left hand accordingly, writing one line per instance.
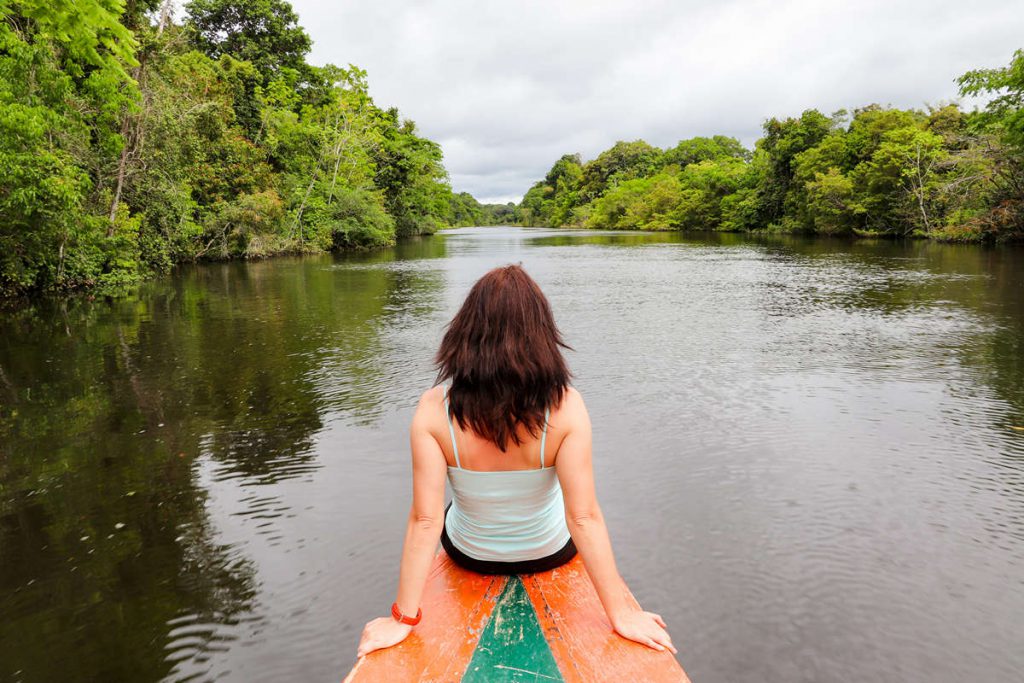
(381, 633)
(646, 628)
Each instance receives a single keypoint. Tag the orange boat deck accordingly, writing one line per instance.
(535, 627)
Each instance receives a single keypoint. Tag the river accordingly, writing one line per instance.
(810, 454)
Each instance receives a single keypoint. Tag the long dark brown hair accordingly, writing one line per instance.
(503, 354)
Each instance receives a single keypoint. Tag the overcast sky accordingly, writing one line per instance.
(508, 87)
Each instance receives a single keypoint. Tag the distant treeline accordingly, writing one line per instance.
(130, 142)
(466, 210)
(942, 173)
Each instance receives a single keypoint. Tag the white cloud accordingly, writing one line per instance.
(507, 88)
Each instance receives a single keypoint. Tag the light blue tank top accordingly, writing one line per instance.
(505, 516)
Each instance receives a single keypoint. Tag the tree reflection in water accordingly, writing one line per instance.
(110, 569)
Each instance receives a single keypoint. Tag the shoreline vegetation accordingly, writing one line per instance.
(130, 142)
(941, 173)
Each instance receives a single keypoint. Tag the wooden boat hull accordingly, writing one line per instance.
(541, 627)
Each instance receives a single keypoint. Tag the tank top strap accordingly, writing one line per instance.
(451, 428)
(544, 435)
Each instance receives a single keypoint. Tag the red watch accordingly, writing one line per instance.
(402, 619)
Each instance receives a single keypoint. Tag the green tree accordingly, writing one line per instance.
(551, 201)
(623, 161)
(693, 199)
(1002, 124)
(265, 33)
(639, 203)
(831, 206)
(695, 150)
(870, 125)
(466, 210)
(536, 204)
(63, 84)
(502, 214)
(708, 185)
(818, 179)
(782, 142)
(411, 176)
(1005, 111)
(897, 183)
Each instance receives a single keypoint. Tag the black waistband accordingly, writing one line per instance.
(543, 564)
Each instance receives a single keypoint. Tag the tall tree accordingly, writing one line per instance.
(265, 33)
(64, 82)
(623, 161)
(696, 150)
(783, 141)
(1006, 109)
(1003, 119)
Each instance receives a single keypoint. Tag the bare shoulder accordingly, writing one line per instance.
(432, 396)
(572, 411)
(572, 395)
(573, 399)
(572, 426)
(427, 408)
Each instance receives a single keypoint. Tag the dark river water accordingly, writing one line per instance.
(810, 454)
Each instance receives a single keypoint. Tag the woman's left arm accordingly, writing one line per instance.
(423, 530)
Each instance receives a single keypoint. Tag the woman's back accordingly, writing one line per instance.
(506, 507)
(479, 454)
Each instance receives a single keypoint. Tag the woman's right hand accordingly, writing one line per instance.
(646, 628)
(381, 633)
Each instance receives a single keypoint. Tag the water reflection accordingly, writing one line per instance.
(103, 533)
(118, 421)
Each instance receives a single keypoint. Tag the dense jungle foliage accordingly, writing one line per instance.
(130, 142)
(942, 173)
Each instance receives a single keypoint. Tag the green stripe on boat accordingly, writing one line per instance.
(512, 648)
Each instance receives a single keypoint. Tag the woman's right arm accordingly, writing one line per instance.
(589, 533)
(423, 529)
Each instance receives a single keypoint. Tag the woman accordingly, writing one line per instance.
(513, 439)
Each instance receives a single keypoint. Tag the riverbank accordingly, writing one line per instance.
(823, 244)
(206, 136)
(258, 248)
(957, 235)
(942, 173)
